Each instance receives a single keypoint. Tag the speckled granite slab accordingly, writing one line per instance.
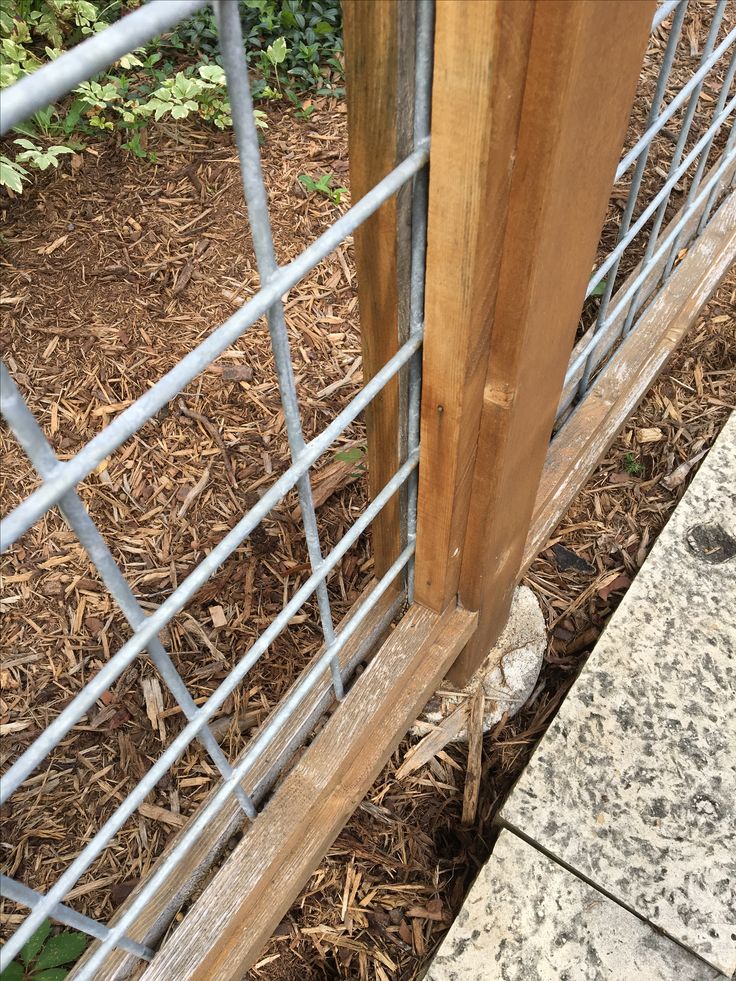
(528, 919)
(634, 785)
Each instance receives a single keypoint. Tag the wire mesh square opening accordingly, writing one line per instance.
(198, 587)
(676, 167)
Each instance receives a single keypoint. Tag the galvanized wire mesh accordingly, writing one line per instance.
(687, 152)
(60, 479)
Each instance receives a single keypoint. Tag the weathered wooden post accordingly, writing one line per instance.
(530, 105)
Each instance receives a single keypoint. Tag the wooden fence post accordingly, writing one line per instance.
(530, 105)
(379, 39)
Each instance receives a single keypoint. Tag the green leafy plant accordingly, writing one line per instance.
(12, 175)
(323, 186)
(293, 47)
(46, 956)
(632, 465)
(599, 289)
(39, 158)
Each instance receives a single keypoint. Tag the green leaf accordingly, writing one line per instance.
(64, 948)
(276, 52)
(12, 175)
(212, 73)
(599, 289)
(53, 974)
(35, 943)
(13, 972)
(353, 455)
(27, 145)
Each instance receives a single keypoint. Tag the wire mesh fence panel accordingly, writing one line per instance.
(678, 161)
(60, 479)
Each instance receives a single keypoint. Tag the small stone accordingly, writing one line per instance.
(508, 674)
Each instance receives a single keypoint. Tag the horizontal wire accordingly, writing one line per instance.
(305, 684)
(660, 196)
(56, 79)
(604, 332)
(100, 840)
(176, 601)
(673, 106)
(663, 11)
(144, 408)
(18, 893)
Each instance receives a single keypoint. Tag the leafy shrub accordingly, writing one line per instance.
(292, 46)
(46, 956)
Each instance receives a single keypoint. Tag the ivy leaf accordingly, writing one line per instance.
(276, 52)
(35, 943)
(62, 949)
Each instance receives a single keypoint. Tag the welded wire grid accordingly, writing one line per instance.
(679, 164)
(60, 479)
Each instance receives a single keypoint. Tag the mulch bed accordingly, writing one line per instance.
(112, 271)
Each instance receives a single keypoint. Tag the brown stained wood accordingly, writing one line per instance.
(379, 69)
(586, 436)
(688, 230)
(569, 143)
(153, 922)
(476, 103)
(225, 930)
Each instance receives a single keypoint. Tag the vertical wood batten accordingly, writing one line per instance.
(476, 102)
(379, 53)
(514, 220)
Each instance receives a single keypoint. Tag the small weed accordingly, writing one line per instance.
(46, 957)
(632, 465)
(355, 455)
(323, 186)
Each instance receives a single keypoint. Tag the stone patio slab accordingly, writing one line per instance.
(528, 919)
(634, 784)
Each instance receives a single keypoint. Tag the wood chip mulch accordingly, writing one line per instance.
(112, 270)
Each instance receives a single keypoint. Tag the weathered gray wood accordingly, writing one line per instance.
(224, 932)
(688, 230)
(586, 436)
(154, 921)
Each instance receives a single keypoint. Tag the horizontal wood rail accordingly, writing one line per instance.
(224, 932)
(151, 925)
(586, 436)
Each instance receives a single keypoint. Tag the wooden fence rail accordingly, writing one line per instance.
(530, 105)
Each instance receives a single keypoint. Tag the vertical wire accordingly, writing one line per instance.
(37, 448)
(677, 153)
(246, 137)
(702, 162)
(419, 205)
(664, 74)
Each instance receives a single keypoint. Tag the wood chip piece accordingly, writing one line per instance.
(651, 434)
(217, 615)
(156, 813)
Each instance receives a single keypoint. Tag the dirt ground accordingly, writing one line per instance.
(111, 271)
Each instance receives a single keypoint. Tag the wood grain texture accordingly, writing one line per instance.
(578, 93)
(379, 69)
(586, 436)
(154, 921)
(224, 932)
(688, 230)
(477, 93)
